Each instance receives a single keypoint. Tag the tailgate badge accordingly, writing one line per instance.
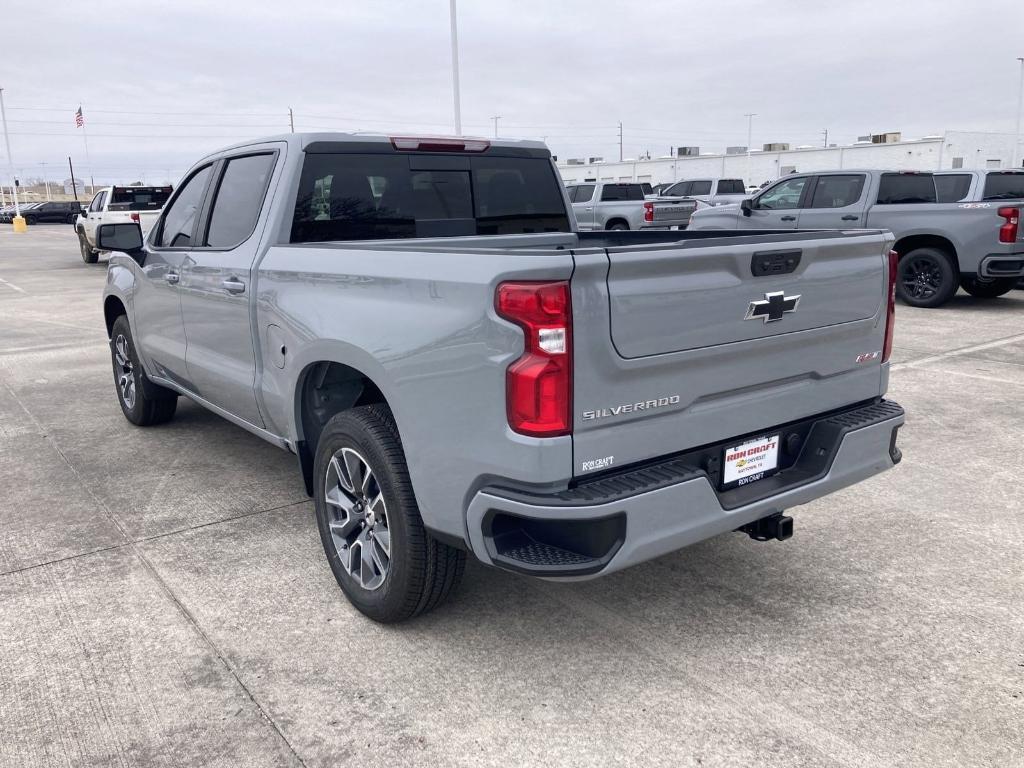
(772, 307)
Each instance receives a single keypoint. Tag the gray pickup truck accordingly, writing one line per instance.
(708, 191)
(621, 206)
(978, 246)
(458, 370)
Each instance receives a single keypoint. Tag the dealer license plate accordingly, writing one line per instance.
(750, 461)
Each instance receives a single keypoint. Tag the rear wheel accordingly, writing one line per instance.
(30, 219)
(385, 561)
(143, 402)
(89, 256)
(988, 287)
(70, 219)
(618, 226)
(926, 278)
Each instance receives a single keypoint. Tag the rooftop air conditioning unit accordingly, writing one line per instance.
(892, 137)
(776, 147)
(687, 151)
(735, 150)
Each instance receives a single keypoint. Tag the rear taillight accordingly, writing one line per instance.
(648, 211)
(1008, 231)
(538, 386)
(135, 218)
(890, 312)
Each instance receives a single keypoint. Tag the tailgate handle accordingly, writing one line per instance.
(766, 263)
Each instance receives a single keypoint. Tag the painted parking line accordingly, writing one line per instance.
(12, 286)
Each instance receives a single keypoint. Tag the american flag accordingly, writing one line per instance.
(79, 119)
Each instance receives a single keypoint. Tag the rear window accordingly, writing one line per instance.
(139, 198)
(622, 192)
(731, 187)
(903, 188)
(346, 196)
(1004, 186)
(952, 187)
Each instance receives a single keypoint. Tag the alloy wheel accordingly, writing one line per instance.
(921, 277)
(125, 372)
(358, 519)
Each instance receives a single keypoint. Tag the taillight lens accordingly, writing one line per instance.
(538, 386)
(1008, 231)
(135, 218)
(648, 211)
(890, 313)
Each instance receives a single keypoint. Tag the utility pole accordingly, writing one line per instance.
(1020, 101)
(750, 133)
(825, 143)
(74, 184)
(620, 141)
(496, 118)
(46, 182)
(455, 70)
(291, 119)
(19, 223)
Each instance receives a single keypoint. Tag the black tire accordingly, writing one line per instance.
(142, 402)
(618, 226)
(70, 219)
(927, 278)
(420, 571)
(30, 220)
(988, 287)
(89, 256)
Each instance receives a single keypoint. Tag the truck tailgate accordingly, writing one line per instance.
(691, 343)
(670, 212)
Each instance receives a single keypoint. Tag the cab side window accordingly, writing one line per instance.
(782, 197)
(837, 191)
(583, 193)
(239, 200)
(700, 187)
(97, 202)
(180, 219)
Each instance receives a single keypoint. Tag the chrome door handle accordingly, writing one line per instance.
(233, 285)
(172, 278)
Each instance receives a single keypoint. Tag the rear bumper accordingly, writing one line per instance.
(1002, 266)
(615, 521)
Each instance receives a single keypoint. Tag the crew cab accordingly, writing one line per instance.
(461, 372)
(710, 191)
(978, 246)
(111, 205)
(621, 206)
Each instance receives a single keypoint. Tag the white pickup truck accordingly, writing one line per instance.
(117, 205)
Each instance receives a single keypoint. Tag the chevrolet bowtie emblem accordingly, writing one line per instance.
(772, 307)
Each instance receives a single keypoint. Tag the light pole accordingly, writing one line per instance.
(18, 222)
(46, 182)
(455, 70)
(496, 118)
(1020, 102)
(750, 133)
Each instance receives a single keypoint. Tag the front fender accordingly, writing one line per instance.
(120, 285)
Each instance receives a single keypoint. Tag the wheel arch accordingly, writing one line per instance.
(616, 220)
(909, 243)
(113, 308)
(323, 389)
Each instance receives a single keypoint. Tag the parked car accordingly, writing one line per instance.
(976, 246)
(710, 191)
(8, 213)
(53, 213)
(118, 204)
(979, 186)
(459, 369)
(601, 205)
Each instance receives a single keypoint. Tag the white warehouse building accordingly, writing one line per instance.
(954, 149)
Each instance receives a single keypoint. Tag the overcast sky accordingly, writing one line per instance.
(675, 73)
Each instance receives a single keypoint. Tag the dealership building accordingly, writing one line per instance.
(953, 149)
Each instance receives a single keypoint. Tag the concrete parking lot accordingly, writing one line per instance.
(165, 601)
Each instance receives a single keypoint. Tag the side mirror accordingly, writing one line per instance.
(746, 205)
(119, 237)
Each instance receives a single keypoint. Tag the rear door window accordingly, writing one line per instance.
(952, 187)
(837, 191)
(906, 188)
(614, 192)
(347, 196)
(1004, 186)
(700, 187)
(239, 200)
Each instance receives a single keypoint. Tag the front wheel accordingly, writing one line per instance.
(387, 564)
(89, 256)
(926, 278)
(988, 287)
(142, 402)
(30, 220)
